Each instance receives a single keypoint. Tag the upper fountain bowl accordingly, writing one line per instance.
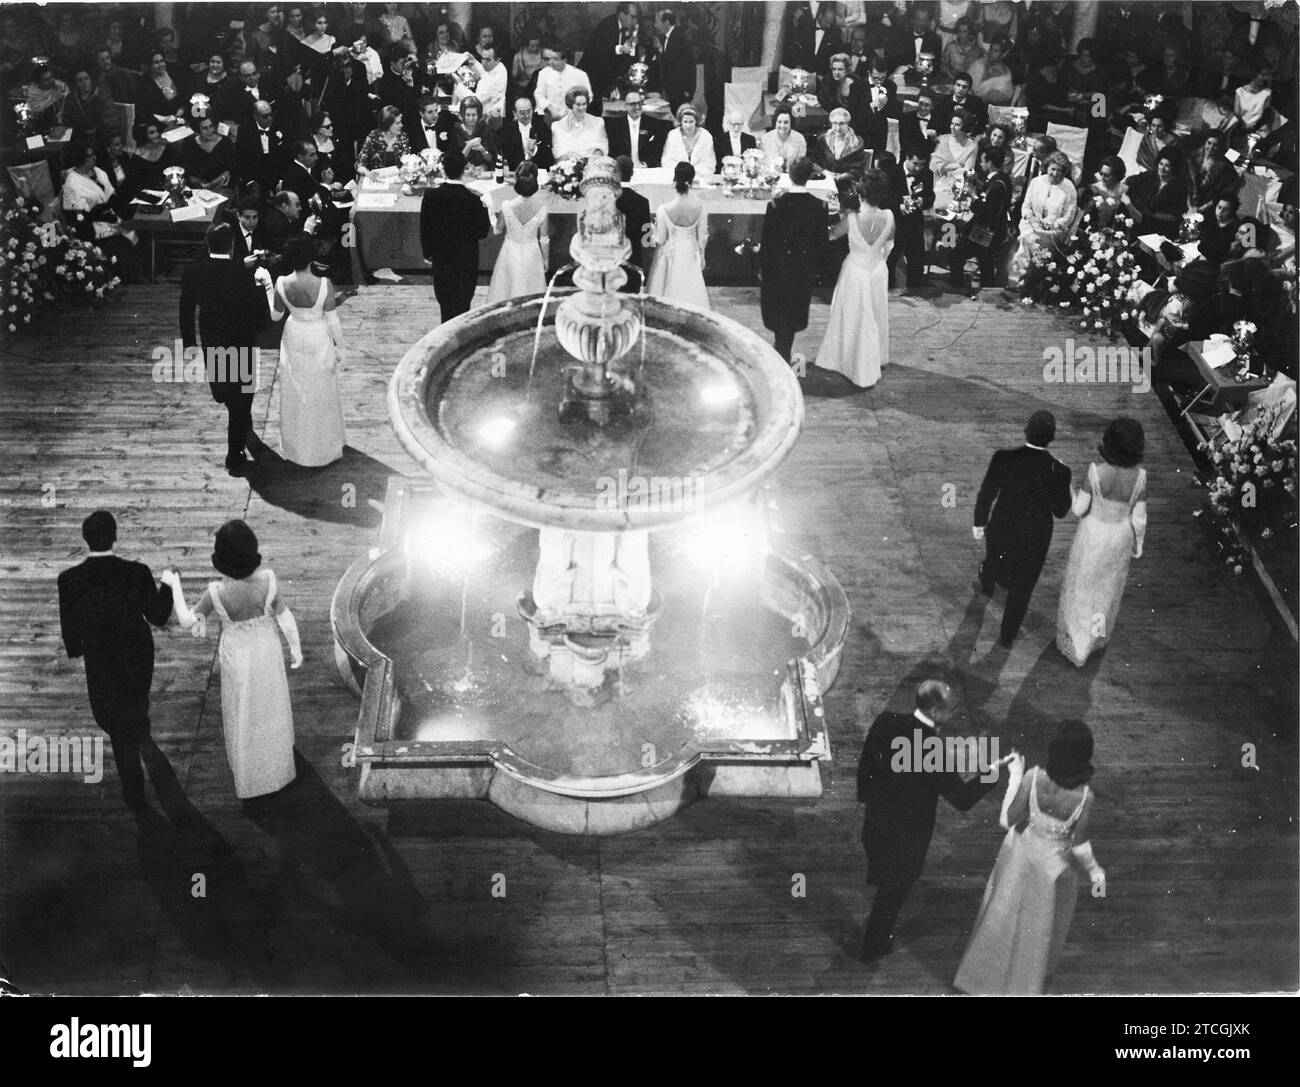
(716, 411)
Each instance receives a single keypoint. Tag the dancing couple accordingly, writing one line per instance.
(1023, 490)
(794, 238)
(1029, 900)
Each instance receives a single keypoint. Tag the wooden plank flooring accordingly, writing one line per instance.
(322, 894)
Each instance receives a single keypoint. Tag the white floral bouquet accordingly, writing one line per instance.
(42, 264)
(565, 177)
(1253, 486)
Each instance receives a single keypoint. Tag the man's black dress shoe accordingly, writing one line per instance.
(876, 951)
(239, 467)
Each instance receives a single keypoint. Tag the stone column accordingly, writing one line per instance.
(1085, 21)
(773, 23)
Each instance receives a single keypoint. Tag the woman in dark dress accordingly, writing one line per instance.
(209, 159)
(161, 96)
(152, 156)
(1160, 197)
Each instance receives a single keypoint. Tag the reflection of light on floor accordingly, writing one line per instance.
(712, 716)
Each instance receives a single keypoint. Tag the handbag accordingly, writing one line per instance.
(981, 236)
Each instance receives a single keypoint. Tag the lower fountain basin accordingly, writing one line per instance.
(726, 704)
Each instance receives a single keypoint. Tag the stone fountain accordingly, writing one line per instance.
(584, 613)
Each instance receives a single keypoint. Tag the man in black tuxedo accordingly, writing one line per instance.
(990, 220)
(105, 607)
(259, 150)
(231, 304)
(1025, 488)
(525, 137)
(610, 51)
(239, 97)
(909, 39)
(397, 87)
(298, 177)
(901, 803)
(283, 220)
(248, 233)
(452, 221)
(913, 185)
(828, 40)
(734, 140)
(636, 221)
(639, 137)
(917, 130)
(875, 102)
(676, 62)
(794, 236)
(436, 127)
(961, 97)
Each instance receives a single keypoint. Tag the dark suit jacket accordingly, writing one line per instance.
(911, 134)
(446, 123)
(511, 143)
(677, 70)
(993, 208)
(832, 43)
(105, 606)
(603, 66)
(902, 186)
(251, 164)
(873, 124)
(296, 179)
(452, 220)
(1022, 491)
(231, 310)
(973, 104)
(794, 238)
(1162, 210)
(722, 144)
(650, 139)
(900, 48)
(236, 104)
(636, 217)
(901, 805)
(392, 90)
(240, 250)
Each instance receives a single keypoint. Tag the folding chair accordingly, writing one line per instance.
(35, 178)
(1072, 142)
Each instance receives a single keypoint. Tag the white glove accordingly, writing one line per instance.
(1096, 874)
(262, 278)
(309, 227)
(1015, 775)
(289, 626)
(977, 531)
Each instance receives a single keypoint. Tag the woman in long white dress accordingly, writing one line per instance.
(681, 233)
(311, 410)
(1048, 210)
(1029, 901)
(953, 155)
(521, 265)
(1112, 531)
(688, 142)
(256, 716)
(857, 333)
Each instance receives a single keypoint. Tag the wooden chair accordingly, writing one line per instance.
(36, 180)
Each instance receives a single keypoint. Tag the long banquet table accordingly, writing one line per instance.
(389, 237)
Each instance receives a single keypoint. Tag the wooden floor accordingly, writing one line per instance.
(322, 894)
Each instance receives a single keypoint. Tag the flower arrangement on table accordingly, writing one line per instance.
(1243, 342)
(1190, 231)
(418, 171)
(41, 265)
(1019, 116)
(732, 173)
(565, 177)
(1092, 279)
(1253, 490)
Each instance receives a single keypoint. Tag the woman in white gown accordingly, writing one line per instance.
(256, 717)
(311, 411)
(681, 233)
(688, 142)
(954, 154)
(1029, 902)
(1048, 210)
(1112, 531)
(857, 332)
(521, 265)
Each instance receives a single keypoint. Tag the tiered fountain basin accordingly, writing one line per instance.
(746, 633)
